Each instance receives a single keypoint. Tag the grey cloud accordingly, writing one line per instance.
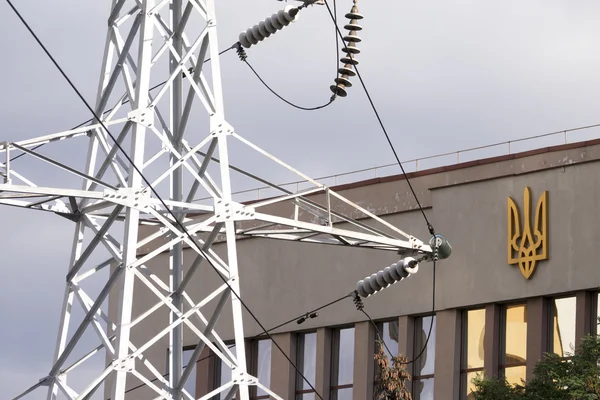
(444, 75)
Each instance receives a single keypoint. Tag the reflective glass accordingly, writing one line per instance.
(596, 321)
(342, 394)
(563, 325)
(264, 365)
(474, 333)
(426, 363)
(345, 360)
(468, 383)
(190, 384)
(389, 331)
(225, 375)
(423, 389)
(515, 375)
(515, 339)
(306, 396)
(307, 346)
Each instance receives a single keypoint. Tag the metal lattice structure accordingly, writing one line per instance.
(153, 128)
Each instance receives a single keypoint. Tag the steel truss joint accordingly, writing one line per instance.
(143, 116)
(128, 197)
(232, 211)
(223, 129)
(128, 364)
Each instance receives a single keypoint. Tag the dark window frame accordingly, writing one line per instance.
(298, 391)
(252, 363)
(418, 347)
(464, 372)
(502, 365)
(335, 356)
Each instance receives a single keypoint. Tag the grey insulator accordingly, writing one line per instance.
(381, 281)
(373, 282)
(386, 277)
(441, 244)
(269, 26)
(399, 267)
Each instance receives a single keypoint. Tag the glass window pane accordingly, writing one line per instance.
(474, 333)
(342, 394)
(345, 361)
(467, 384)
(515, 375)
(190, 384)
(425, 364)
(515, 340)
(423, 389)
(563, 325)
(263, 369)
(596, 321)
(306, 396)
(225, 375)
(307, 360)
(389, 331)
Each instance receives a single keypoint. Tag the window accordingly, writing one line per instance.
(513, 352)
(307, 363)
(342, 362)
(471, 364)
(190, 384)
(596, 316)
(260, 366)
(562, 325)
(389, 334)
(222, 374)
(423, 368)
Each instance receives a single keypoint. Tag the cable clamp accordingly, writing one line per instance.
(357, 301)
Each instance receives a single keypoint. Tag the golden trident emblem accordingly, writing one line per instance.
(530, 246)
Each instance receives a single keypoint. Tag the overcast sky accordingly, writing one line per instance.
(445, 75)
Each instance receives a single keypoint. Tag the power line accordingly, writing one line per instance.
(244, 58)
(429, 226)
(283, 99)
(253, 338)
(110, 109)
(380, 336)
(175, 219)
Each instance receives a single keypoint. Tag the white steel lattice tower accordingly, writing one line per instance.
(121, 184)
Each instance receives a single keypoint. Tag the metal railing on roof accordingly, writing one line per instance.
(434, 161)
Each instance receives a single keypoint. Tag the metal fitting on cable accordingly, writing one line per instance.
(440, 246)
(388, 276)
(269, 26)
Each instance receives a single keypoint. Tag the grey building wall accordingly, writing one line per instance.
(467, 203)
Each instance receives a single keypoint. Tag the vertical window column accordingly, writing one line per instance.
(423, 368)
(190, 384)
(261, 367)
(306, 361)
(562, 324)
(473, 350)
(342, 360)
(222, 374)
(585, 316)
(389, 333)
(513, 344)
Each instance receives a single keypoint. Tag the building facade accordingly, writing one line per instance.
(522, 280)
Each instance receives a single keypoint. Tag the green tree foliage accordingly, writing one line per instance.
(553, 378)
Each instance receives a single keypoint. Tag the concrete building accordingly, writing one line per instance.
(498, 307)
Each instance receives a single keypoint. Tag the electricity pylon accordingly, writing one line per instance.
(121, 185)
